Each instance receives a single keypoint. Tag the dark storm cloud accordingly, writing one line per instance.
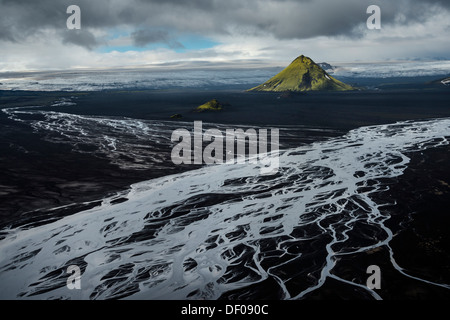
(82, 38)
(443, 3)
(143, 37)
(283, 19)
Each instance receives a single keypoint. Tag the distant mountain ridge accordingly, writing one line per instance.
(303, 74)
(326, 66)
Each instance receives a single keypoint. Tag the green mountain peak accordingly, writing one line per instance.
(303, 74)
(213, 105)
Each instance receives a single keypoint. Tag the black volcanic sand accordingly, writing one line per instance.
(340, 110)
(422, 247)
(37, 176)
(420, 221)
(48, 175)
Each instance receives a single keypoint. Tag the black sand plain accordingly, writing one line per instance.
(50, 175)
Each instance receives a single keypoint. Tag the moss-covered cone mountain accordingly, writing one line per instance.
(303, 74)
(213, 105)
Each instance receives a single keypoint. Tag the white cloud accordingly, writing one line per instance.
(274, 32)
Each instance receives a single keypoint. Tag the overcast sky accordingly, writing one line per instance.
(117, 33)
